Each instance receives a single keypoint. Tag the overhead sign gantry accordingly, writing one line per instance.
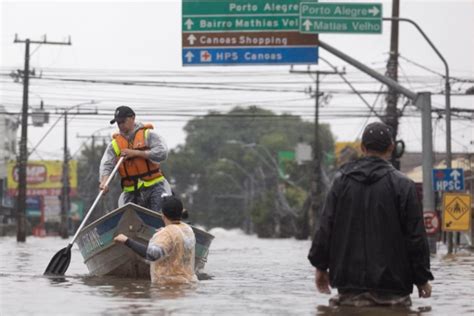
(245, 32)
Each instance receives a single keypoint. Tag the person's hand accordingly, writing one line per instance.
(424, 290)
(322, 282)
(126, 152)
(102, 186)
(121, 238)
(130, 153)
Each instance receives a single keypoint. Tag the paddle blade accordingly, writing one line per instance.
(59, 263)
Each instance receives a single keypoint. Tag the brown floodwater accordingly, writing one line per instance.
(245, 275)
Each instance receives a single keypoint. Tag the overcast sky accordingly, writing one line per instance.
(135, 41)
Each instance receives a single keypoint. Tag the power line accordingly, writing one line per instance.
(451, 78)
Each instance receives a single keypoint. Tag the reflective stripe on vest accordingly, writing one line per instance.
(116, 147)
(142, 183)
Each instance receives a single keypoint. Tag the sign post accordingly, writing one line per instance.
(322, 17)
(245, 32)
(431, 222)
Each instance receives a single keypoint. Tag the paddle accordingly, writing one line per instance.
(60, 262)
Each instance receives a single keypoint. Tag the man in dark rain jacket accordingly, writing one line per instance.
(371, 234)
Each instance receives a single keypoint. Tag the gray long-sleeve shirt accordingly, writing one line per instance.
(158, 151)
(149, 251)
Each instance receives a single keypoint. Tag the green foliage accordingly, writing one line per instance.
(228, 164)
(260, 213)
(296, 196)
(88, 182)
(262, 216)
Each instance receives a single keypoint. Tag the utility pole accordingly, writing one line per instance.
(65, 201)
(422, 101)
(65, 194)
(94, 138)
(392, 114)
(448, 108)
(23, 157)
(316, 188)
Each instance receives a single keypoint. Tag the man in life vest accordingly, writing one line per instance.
(142, 181)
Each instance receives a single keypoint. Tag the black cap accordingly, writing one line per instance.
(377, 136)
(122, 112)
(172, 207)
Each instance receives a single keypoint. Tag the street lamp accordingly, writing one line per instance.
(242, 169)
(266, 151)
(57, 121)
(231, 179)
(448, 123)
(272, 166)
(249, 189)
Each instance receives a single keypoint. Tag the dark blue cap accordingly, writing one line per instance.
(121, 113)
(377, 136)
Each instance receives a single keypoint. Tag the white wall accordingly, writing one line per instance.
(8, 130)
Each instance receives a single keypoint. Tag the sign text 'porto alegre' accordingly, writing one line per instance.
(245, 32)
(336, 17)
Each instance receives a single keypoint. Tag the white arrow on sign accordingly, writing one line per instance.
(189, 56)
(455, 174)
(374, 11)
(189, 24)
(307, 24)
(191, 39)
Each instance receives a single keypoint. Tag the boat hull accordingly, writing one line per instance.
(104, 257)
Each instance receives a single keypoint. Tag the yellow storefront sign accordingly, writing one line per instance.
(456, 211)
(347, 151)
(42, 177)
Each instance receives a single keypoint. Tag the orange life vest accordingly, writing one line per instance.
(136, 172)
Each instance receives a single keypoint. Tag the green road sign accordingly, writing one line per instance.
(338, 17)
(283, 157)
(240, 7)
(240, 23)
(240, 15)
(236, 32)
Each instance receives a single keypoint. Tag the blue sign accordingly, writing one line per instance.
(33, 206)
(448, 179)
(249, 55)
(245, 32)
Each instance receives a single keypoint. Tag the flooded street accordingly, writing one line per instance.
(248, 276)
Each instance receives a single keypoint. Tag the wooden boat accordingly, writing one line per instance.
(104, 257)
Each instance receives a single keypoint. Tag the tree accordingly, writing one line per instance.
(88, 182)
(227, 174)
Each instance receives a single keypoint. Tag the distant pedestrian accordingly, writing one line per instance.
(142, 180)
(171, 250)
(371, 236)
